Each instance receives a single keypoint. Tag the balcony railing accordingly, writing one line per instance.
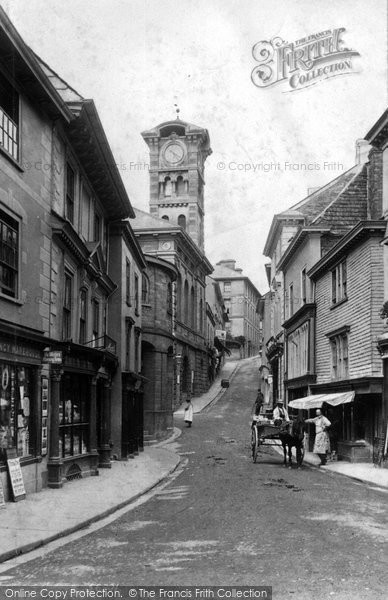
(104, 342)
(9, 135)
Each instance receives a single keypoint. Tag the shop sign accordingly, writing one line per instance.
(16, 477)
(53, 357)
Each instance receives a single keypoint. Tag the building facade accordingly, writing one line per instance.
(241, 301)
(59, 192)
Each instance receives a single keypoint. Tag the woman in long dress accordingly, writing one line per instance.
(322, 440)
(189, 413)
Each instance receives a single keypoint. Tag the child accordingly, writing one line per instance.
(188, 413)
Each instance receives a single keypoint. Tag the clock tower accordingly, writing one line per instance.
(178, 151)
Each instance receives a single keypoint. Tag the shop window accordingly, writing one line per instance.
(9, 255)
(73, 415)
(9, 118)
(339, 283)
(83, 297)
(16, 408)
(70, 193)
(67, 307)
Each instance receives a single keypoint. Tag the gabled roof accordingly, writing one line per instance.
(312, 210)
(378, 134)
(67, 93)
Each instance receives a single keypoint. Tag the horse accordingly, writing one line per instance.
(291, 436)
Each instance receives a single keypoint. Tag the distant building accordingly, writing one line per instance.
(241, 301)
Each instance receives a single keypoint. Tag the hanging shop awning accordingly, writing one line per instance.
(317, 401)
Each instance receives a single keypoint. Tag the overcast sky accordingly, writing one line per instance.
(138, 58)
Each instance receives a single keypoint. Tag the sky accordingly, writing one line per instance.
(137, 59)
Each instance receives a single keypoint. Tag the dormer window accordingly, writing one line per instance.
(9, 118)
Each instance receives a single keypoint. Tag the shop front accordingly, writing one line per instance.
(132, 436)
(21, 352)
(79, 412)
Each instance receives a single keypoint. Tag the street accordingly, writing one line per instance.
(226, 521)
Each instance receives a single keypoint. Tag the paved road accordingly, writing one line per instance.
(227, 521)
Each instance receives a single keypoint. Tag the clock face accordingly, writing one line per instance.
(166, 245)
(174, 153)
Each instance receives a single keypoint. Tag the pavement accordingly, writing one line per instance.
(51, 514)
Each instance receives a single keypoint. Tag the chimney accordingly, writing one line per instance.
(229, 263)
(362, 151)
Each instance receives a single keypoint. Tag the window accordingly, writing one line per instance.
(180, 186)
(97, 227)
(167, 187)
(339, 353)
(339, 283)
(182, 221)
(73, 415)
(227, 287)
(201, 315)
(67, 307)
(165, 217)
(70, 193)
(96, 319)
(169, 297)
(9, 118)
(137, 349)
(136, 294)
(85, 214)
(128, 282)
(192, 307)
(9, 255)
(128, 338)
(290, 299)
(145, 290)
(303, 287)
(16, 410)
(186, 303)
(82, 316)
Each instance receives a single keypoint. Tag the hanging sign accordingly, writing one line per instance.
(16, 477)
(53, 357)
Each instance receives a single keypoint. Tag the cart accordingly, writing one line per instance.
(264, 432)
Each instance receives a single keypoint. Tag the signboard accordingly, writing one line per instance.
(53, 357)
(16, 476)
(221, 334)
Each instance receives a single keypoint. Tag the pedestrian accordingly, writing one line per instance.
(322, 440)
(259, 402)
(188, 413)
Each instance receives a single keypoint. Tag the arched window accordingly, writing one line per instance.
(186, 303)
(180, 186)
(182, 221)
(145, 290)
(192, 307)
(165, 217)
(167, 187)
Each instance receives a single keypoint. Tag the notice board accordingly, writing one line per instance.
(16, 477)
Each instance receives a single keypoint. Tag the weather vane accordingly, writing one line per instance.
(177, 111)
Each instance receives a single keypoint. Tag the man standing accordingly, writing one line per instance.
(280, 413)
(322, 440)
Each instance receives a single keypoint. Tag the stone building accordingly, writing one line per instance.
(241, 301)
(59, 192)
(161, 239)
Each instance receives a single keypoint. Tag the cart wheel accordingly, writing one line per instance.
(254, 443)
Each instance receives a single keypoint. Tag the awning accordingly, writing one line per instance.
(317, 401)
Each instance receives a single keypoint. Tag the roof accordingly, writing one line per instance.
(308, 210)
(146, 221)
(21, 63)
(378, 133)
(225, 273)
(190, 129)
